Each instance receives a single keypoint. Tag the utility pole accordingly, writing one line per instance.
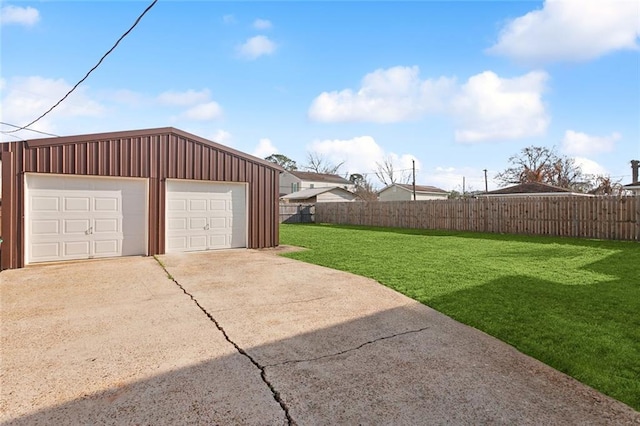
(463, 186)
(486, 185)
(413, 163)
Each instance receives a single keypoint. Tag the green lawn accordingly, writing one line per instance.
(573, 304)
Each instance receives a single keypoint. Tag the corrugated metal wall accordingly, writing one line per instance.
(156, 154)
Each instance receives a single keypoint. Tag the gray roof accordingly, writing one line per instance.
(419, 188)
(529, 188)
(320, 177)
(308, 193)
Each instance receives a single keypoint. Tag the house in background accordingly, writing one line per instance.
(404, 192)
(634, 186)
(532, 189)
(320, 195)
(294, 181)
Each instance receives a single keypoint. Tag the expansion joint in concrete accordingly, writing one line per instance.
(263, 375)
(370, 342)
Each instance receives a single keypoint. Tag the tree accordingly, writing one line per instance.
(363, 187)
(318, 163)
(604, 185)
(283, 161)
(544, 165)
(388, 174)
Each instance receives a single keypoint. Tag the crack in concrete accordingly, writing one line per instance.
(263, 374)
(370, 342)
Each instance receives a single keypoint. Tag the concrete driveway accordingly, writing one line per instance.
(247, 337)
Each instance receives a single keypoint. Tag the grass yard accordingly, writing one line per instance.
(573, 304)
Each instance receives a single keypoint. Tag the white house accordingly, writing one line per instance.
(294, 181)
(404, 192)
(319, 195)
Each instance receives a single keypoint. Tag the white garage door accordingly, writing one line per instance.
(205, 215)
(81, 217)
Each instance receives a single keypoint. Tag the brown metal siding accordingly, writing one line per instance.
(156, 154)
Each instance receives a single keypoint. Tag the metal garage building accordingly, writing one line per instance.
(138, 192)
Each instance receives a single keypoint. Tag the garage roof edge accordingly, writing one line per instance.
(64, 140)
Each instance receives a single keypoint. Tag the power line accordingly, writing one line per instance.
(89, 72)
(20, 128)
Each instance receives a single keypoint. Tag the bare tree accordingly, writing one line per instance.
(283, 161)
(363, 187)
(387, 173)
(318, 163)
(542, 164)
(604, 185)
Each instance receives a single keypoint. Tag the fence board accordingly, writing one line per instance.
(616, 218)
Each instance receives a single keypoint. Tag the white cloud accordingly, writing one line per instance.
(265, 148)
(201, 106)
(229, 19)
(590, 167)
(492, 108)
(262, 24)
(201, 112)
(487, 107)
(221, 136)
(360, 155)
(189, 97)
(27, 16)
(385, 96)
(578, 143)
(571, 30)
(26, 98)
(255, 47)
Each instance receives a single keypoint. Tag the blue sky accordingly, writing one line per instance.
(456, 86)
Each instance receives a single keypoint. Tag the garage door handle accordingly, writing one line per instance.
(206, 227)
(89, 231)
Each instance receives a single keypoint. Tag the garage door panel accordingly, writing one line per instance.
(46, 251)
(76, 226)
(45, 204)
(198, 223)
(177, 205)
(95, 217)
(45, 227)
(106, 248)
(106, 226)
(176, 244)
(187, 200)
(106, 204)
(76, 249)
(218, 223)
(198, 205)
(77, 204)
(215, 205)
(218, 241)
(198, 242)
(177, 224)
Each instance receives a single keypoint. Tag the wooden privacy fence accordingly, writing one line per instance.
(612, 218)
(297, 213)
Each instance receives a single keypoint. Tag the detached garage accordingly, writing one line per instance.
(140, 192)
